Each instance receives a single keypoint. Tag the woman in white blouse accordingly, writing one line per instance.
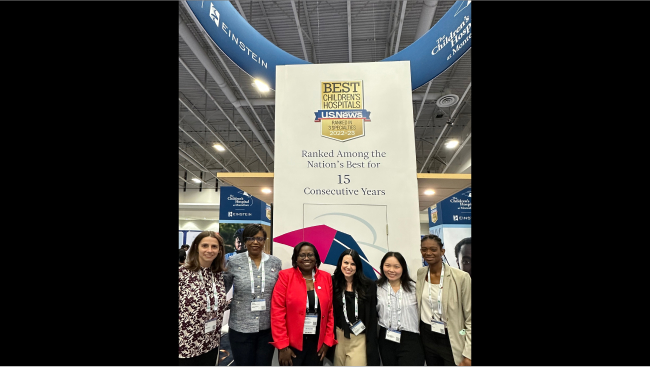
(397, 306)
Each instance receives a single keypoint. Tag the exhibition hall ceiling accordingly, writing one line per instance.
(378, 29)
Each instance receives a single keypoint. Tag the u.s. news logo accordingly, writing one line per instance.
(341, 114)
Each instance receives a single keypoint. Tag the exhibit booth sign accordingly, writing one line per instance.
(237, 209)
(345, 173)
(451, 220)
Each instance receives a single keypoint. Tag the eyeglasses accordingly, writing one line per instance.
(304, 256)
(258, 239)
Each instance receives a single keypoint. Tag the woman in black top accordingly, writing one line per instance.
(355, 313)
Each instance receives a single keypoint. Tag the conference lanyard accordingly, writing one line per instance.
(250, 270)
(356, 308)
(207, 296)
(313, 277)
(399, 306)
(442, 277)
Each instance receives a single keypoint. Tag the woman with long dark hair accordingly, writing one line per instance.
(202, 290)
(355, 313)
(397, 306)
(444, 297)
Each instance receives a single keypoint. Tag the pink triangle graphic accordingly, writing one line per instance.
(320, 236)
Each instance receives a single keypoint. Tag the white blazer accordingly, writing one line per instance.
(456, 308)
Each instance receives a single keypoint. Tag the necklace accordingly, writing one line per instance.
(313, 273)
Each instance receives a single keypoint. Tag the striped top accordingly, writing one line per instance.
(409, 318)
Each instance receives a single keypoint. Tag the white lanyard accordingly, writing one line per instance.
(313, 277)
(207, 296)
(442, 277)
(356, 308)
(399, 306)
(250, 270)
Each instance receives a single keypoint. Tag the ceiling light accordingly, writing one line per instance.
(429, 192)
(196, 180)
(451, 143)
(266, 191)
(261, 86)
(219, 147)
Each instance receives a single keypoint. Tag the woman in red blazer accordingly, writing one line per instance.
(302, 317)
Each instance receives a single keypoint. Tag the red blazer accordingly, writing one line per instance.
(288, 309)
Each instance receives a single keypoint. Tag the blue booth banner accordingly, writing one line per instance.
(245, 46)
(456, 209)
(238, 206)
(429, 56)
(451, 220)
(267, 212)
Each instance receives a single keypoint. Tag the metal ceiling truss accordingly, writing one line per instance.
(195, 114)
(389, 23)
(202, 55)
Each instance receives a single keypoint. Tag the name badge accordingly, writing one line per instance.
(358, 327)
(438, 327)
(258, 305)
(311, 320)
(393, 335)
(210, 325)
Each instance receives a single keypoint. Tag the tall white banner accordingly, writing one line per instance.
(345, 172)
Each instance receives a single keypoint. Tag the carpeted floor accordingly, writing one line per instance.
(225, 353)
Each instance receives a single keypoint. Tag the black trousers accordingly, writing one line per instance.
(308, 356)
(205, 359)
(251, 349)
(437, 347)
(408, 352)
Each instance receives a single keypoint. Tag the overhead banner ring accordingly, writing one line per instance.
(444, 44)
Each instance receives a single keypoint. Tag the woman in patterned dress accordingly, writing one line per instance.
(201, 301)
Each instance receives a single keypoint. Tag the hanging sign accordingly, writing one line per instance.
(429, 56)
(238, 206)
(456, 209)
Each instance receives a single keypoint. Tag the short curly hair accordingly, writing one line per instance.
(251, 230)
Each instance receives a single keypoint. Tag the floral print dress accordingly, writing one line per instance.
(193, 316)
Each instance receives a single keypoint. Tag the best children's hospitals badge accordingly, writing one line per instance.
(434, 214)
(342, 116)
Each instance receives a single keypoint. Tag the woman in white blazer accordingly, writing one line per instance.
(445, 319)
